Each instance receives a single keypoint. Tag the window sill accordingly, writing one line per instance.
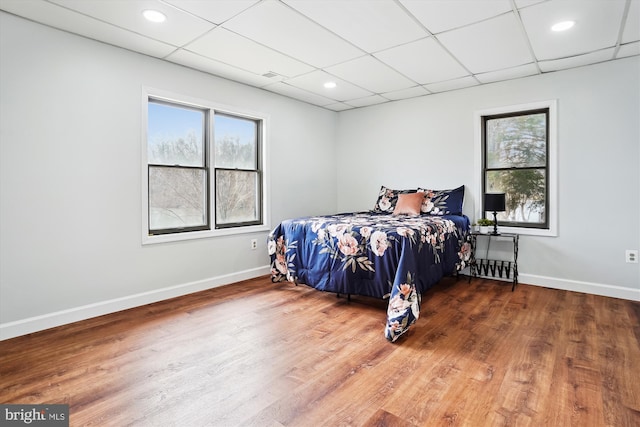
(528, 231)
(193, 235)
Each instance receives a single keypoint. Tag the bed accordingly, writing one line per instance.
(398, 250)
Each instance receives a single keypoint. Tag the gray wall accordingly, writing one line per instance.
(429, 141)
(70, 206)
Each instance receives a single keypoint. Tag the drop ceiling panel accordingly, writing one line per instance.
(423, 61)
(86, 26)
(442, 15)
(180, 27)
(285, 30)
(629, 49)
(338, 106)
(314, 82)
(376, 50)
(366, 101)
(230, 48)
(301, 94)
(452, 84)
(489, 45)
(377, 77)
(370, 25)
(508, 73)
(217, 11)
(597, 26)
(632, 24)
(198, 62)
(577, 61)
(526, 3)
(411, 92)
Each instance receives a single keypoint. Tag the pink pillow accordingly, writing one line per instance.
(409, 204)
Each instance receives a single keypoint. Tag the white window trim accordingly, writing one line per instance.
(220, 108)
(552, 105)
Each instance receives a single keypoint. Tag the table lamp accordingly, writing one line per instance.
(494, 202)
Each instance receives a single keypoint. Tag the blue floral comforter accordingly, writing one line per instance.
(372, 254)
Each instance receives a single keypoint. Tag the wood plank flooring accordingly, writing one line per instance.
(257, 353)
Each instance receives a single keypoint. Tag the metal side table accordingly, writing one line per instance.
(488, 267)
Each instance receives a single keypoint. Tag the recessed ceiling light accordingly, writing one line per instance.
(154, 15)
(330, 85)
(563, 26)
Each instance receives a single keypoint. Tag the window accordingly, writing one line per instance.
(515, 163)
(517, 157)
(203, 170)
(236, 171)
(178, 168)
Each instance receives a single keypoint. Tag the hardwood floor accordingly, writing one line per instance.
(262, 354)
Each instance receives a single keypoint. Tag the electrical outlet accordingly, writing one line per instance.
(254, 243)
(631, 256)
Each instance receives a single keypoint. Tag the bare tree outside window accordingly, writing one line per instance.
(183, 143)
(237, 175)
(516, 163)
(177, 198)
(178, 174)
(236, 196)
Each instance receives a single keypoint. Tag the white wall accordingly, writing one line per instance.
(429, 141)
(70, 179)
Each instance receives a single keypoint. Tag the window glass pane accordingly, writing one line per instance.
(525, 194)
(177, 197)
(175, 135)
(236, 142)
(236, 197)
(519, 141)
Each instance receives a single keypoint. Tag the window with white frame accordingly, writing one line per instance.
(204, 170)
(518, 158)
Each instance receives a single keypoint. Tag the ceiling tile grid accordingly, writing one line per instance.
(424, 61)
(281, 28)
(233, 49)
(597, 27)
(374, 51)
(127, 15)
(377, 76)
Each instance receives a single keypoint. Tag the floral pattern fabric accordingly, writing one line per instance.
(371, 254)
(442, 202)
(387, 199)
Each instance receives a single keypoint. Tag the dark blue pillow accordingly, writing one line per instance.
(442, 202)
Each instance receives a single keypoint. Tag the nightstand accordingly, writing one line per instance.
(489, 267)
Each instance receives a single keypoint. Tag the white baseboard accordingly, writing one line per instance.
(578, 286)
(51, 320)
(573, 285)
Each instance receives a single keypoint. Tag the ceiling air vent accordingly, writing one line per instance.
(270, 75)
